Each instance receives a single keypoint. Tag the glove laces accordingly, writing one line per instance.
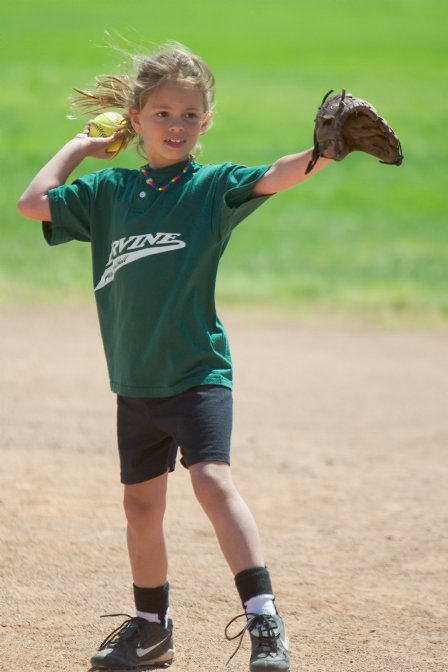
(316, 154)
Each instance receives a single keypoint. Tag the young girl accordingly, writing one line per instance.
(157, 236)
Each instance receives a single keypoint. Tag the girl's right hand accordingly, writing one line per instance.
(97, 147)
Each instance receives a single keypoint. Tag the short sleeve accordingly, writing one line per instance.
(71, 208)
(236, 204)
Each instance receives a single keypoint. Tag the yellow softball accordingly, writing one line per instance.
(107, 124)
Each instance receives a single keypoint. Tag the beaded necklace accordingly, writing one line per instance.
(173, 180)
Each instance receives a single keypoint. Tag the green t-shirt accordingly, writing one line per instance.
(155, 257)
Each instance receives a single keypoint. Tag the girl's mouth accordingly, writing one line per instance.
(174, 142)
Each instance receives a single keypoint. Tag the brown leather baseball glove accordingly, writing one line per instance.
(345, 124)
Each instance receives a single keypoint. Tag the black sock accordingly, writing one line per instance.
(253, 582)
(153, 600)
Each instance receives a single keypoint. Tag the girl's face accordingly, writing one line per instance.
(170, 123)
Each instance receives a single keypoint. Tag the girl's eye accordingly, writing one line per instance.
(164, 114)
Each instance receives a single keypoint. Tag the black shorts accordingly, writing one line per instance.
(151, 430)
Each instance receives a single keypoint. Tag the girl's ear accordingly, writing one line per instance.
(134, 116)
(206, 123)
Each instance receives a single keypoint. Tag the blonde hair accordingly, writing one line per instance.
(172, 62)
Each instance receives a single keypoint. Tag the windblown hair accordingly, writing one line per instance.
(173, 62)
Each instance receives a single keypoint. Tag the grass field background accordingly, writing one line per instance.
(360, 239)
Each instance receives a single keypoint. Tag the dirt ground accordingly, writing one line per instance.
(340, 448)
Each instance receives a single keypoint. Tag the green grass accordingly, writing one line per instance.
(360, 239)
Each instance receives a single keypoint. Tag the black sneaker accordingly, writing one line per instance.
(269, 642)
(135, 643)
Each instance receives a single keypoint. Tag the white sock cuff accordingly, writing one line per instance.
(149, 616)
(261, 604)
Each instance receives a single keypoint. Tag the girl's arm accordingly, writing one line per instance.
(287, 172)
(34, 202)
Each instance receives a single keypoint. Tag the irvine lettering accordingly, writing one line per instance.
(129, 249)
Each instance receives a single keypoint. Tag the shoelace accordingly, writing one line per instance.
(268, 636)
(115, 635)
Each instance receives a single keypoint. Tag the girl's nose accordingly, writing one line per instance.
(176, 123)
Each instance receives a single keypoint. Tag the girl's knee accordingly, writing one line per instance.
(141, 511)
(211, 482)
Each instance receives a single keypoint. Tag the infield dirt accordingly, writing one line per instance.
(340, 448)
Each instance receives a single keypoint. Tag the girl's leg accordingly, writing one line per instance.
(144, 505)
(145, 639)
(233, 522)
(238, 536)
